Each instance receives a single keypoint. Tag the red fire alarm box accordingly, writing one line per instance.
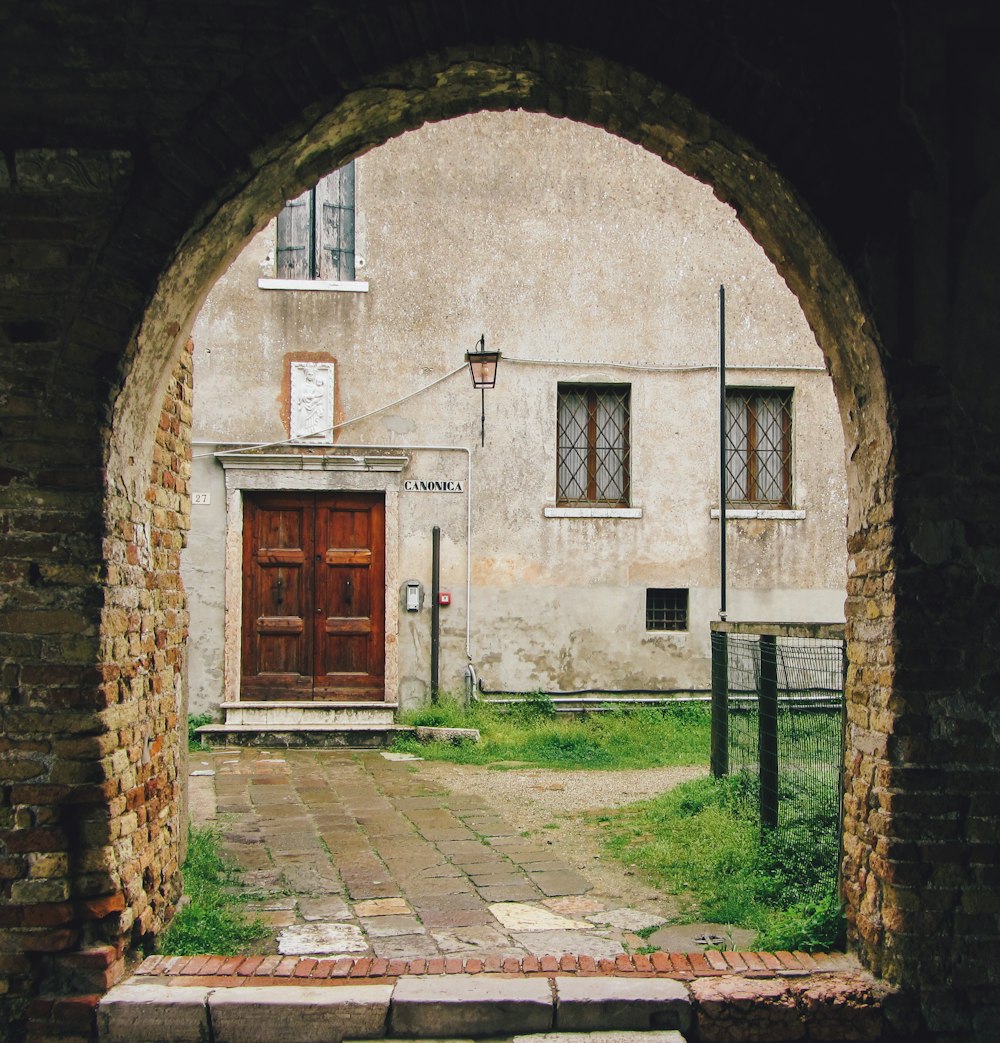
(444, 597)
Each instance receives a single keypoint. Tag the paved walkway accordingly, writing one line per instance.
(366, 857)
(404, 910)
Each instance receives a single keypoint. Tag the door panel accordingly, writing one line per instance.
(349, 639)
(278, 535)
(314, 597)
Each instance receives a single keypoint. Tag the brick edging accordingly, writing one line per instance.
(239, 970)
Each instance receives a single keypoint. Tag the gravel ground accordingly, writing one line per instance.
(536, 800)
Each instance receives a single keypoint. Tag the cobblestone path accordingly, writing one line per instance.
(362, 856)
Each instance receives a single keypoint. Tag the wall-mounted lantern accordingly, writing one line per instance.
(483, 367)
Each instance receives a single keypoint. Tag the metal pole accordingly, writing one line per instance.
(722, 453)
(720, 704)
(767, 733)
(435, 609)
(482, 419)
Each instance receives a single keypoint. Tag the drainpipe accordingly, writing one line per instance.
(435, 609)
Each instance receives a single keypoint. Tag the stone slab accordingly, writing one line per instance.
(471, 941)
(326, 907)
(298, 1014)
(553, 883)
(428, 733)
(141, 1013)
(512, 891)
(454, 1005)
(599, 944)
(694, 937)
(519, 916)
(627, 919)
(595, 1004)
(383, 907)
(468, 851)
(574, 905)
(444, 919)
(405, 947)
(314, 939)
(392, 926)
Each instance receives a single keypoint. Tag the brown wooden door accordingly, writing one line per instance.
(314, 597)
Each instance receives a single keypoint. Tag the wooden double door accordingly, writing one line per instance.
(313, 597)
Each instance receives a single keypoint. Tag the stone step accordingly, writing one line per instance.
(289, 714)
(530, 1010)
(295, 736)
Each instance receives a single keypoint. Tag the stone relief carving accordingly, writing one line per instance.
(311, 417)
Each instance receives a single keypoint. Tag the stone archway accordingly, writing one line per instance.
(132, 172)
(643, 112)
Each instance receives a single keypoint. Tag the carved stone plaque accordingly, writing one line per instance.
(311, 418)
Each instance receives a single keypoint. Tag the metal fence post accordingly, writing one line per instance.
(767, 723)
(720, 704)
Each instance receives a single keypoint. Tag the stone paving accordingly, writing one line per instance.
(363, 857)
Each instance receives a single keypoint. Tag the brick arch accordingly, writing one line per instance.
(154, 165)
(604, 94)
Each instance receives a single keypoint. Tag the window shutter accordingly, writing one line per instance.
(335, 225)
(292, 258)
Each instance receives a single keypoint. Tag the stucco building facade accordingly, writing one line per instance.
(579, 522)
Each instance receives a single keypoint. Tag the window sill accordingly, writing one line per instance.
(761, 513)
(593, 512)
(322, 285)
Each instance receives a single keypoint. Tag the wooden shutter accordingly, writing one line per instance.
(293, 256)
(335, 225)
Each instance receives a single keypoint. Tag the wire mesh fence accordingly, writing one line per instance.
(778, 713)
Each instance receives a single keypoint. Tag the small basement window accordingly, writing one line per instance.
(666, 608)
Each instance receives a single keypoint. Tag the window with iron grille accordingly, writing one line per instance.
(666, 608)
(593, 445)
(759, 447)
(316, 231)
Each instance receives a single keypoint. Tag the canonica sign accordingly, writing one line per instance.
(433, 485)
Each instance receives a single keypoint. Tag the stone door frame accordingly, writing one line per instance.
(300, 473)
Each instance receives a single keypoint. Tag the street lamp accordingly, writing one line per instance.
(483, 367)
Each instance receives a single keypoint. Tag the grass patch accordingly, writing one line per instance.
(701, 842)
(212, 921)
(531, 733)
(195, 721)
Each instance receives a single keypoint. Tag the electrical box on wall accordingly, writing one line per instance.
(414, 595)
(444, 597)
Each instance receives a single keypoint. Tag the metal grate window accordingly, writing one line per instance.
(316, 231)
(759, 447)
(666, 608)
(593, 445)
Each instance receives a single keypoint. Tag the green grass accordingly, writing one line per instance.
(532, 733)
(701, 842)
(212, 921)
(195, 721)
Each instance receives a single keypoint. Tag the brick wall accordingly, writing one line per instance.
(90, 783)
(133, 168)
